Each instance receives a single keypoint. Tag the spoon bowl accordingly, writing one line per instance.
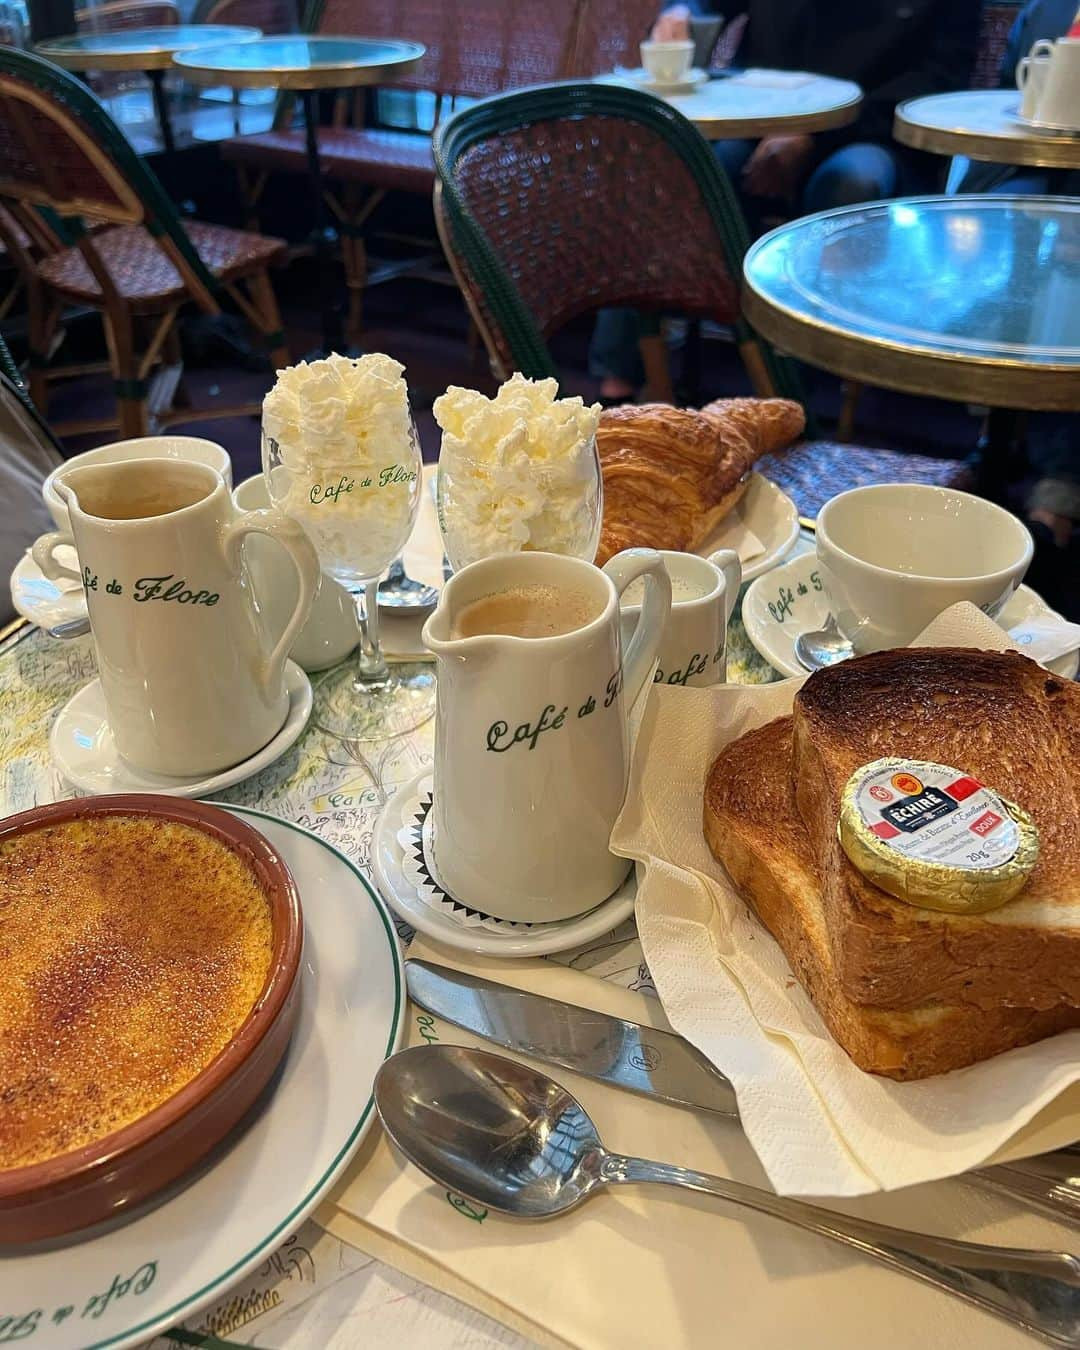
(822, 647)
(491, 1129)
(400, 593)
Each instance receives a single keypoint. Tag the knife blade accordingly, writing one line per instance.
(597, 1045)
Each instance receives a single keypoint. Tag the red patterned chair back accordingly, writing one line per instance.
(994, 25)
(474, 47)
(562, 200)
(610, 33)
(122, 14)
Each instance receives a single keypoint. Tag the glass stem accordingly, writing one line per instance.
(371, 665)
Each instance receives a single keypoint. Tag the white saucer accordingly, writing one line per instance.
(42, 601)
(401, 873)
(763, 510)
(798, 597)
(83, 749)
(1037, 124)
(689, 82)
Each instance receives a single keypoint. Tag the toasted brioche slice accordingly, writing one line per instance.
(1016, 728)
(753, 828)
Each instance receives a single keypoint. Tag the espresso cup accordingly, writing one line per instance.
(894, 556)
(1031, 76)
(193, 449)
(693, 647)
(1059, 101)
(667, 62)
(332, 628)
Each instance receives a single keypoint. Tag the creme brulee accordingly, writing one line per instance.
(132, 949)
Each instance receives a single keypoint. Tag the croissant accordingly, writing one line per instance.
(672, 474)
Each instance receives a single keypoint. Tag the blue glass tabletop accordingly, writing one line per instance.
(299, 62)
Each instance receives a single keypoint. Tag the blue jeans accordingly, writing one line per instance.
(861, 172)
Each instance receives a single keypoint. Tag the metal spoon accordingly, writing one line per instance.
(508, 1137)
(821, 647)
(400, 592)
(69, 628)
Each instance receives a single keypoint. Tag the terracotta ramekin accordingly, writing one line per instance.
(103, 1179)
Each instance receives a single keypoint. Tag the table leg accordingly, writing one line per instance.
(324, 234)
(998, 459)
(161, 110)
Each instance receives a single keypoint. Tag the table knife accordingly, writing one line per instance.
(642, 1059)
(659, 1064)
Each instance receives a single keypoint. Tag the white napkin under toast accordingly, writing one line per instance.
(819, 1125)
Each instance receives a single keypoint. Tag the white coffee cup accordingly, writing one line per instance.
(895, 555)
(332, 629)
(192, 681)
(531, 738)
(1031, 71)
(693, 649)
(1059, 102)
(192, 448)
(667, 62)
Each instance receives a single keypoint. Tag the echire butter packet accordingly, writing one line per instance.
(936, 837)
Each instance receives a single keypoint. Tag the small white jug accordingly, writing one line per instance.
(531, 738)
(190, 679)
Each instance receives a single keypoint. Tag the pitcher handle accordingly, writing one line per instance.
(644, 647)
(42, 553)
(728, 562)
(292, 536)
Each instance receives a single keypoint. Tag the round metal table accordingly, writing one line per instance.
(147, 49)
(969, 298)
(755, 103)
(306, 65)
(981, 123)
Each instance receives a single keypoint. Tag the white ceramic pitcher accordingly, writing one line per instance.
(191, 681)
(531, 739)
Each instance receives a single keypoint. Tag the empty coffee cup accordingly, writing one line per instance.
(894, 556)
(667, 62)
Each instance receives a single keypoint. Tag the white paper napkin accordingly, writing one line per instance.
(819, 1125)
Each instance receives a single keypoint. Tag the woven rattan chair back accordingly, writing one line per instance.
(561, 200)
(271, 16)
(474, 47)
(60, 149)
(123, 14)
(610, 33)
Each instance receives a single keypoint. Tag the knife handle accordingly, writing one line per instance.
(1036, 1290)
(1058, 1197)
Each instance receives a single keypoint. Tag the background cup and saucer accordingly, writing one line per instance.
(1049, 82)
(667, 67)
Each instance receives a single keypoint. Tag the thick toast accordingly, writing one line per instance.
(1016, 728)
(753, 828)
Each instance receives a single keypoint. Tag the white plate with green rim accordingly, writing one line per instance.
(122, 1286)
(791, 600)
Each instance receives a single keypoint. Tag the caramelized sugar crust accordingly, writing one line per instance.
(131, 950)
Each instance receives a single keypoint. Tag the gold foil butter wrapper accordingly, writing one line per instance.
(936, 837)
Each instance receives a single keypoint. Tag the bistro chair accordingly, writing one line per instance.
(474, 48)
(61, 151)
(559, 201)
(271, 16)
(555, 202)
(123, 14)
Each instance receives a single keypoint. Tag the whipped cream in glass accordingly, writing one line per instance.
(518, 471)
(341, 457)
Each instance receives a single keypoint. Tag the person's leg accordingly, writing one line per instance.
(863, 172)
(614, 355)
(732, 157)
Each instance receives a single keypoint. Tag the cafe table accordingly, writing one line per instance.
(754, 102)
(147, 49)
(305, 65)
(982, 124)
(971, 298)
(314, 1292)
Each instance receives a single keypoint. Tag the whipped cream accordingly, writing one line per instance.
(517, 471)
(340, 456)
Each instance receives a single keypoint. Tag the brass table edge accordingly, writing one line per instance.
(718, 128)
(162, 59)
(1045, 152)
(289, 77)
(870, 360)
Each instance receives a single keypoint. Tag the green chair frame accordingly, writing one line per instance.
(469, 243)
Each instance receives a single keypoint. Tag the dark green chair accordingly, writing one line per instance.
(60, 151)
(559, 200)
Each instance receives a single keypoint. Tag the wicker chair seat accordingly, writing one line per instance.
(813, 471)
(396, 160)
(145, 278)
